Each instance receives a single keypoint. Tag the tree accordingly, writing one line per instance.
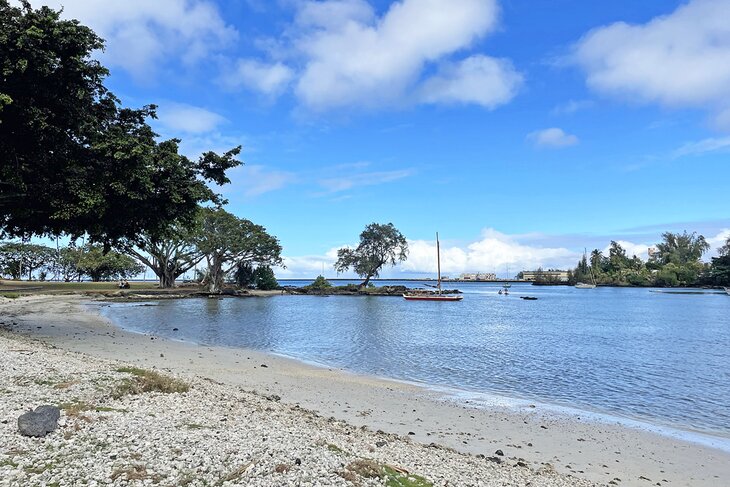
(104, 266)
(380, 245)
(72, 160)
(67, 264)
(265, 279)
(719, 272)
(170, 255)
(22, 259)
(244, 275)
(226, 241)
(680, 249)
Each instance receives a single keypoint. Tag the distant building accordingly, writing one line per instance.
(653, 253)
(479, 276)
(561, 276)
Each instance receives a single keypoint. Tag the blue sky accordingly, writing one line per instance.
(521, 130)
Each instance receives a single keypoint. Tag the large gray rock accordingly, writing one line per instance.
(39, 422)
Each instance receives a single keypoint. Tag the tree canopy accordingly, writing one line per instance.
(227, 241)
(72, 160)
(380, 245)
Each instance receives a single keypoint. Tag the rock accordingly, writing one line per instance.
(380, 443)
(499, 452)
(494, 459)
(174, 329)
(40, 422)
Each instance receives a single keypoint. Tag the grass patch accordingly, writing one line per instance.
(238, 473)
(393, 477)
(335, 448)
(147, 381)
(131, 472)
(8, 463)
(76, 408)
(194, 426)
(11, 295)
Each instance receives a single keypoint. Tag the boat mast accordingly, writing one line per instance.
(438, 260)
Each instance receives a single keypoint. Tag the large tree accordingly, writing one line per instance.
(22, 259)
(170, 255)
(228, 241)
(380, 245)
(99, 265)
(72, 160)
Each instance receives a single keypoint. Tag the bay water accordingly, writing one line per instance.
(656, 357)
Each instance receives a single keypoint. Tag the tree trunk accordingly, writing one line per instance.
(366, 282)
(167, 278)
(215, 278)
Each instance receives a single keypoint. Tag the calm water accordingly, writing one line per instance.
(662, 358)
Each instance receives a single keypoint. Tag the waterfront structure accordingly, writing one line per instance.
(479, 276)
(559, 276)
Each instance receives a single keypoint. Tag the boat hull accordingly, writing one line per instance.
(585, 286)
(727, 290)
(432, 298)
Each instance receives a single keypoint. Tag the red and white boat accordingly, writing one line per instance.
(431, 295)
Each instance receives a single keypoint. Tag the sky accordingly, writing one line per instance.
(523, 131)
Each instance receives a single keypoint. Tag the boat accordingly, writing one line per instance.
(586, 285)
(727, 290)
(430, 295)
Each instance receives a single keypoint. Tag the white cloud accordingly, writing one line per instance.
(346, 55)
(552, 137)
(142, 35)
(718, 241)
(640, 250)
(269, 79)
(180, 117)
(493, 252)
(703, 146)
(344, 183)
(676, 60)
(480, 80)
(255, 180)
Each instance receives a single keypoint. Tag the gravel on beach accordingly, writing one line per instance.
(213, 434)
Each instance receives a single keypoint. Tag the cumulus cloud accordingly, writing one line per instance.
(142, 35)
(480, 80)
(349, 56)
(552, 137)
(270, 79)
(676, 60)
(180, 117)
(493, 252)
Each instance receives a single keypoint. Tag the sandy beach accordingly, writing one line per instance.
(278, 410)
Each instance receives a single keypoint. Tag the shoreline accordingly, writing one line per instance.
(597, 451)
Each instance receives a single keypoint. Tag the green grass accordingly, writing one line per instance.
(11, 295)
(55, 286)
(393, 478)
(147, 381)
(335, 448)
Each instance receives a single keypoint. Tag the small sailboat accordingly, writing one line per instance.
(727, 290)
(434, 296)
(585, 285)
